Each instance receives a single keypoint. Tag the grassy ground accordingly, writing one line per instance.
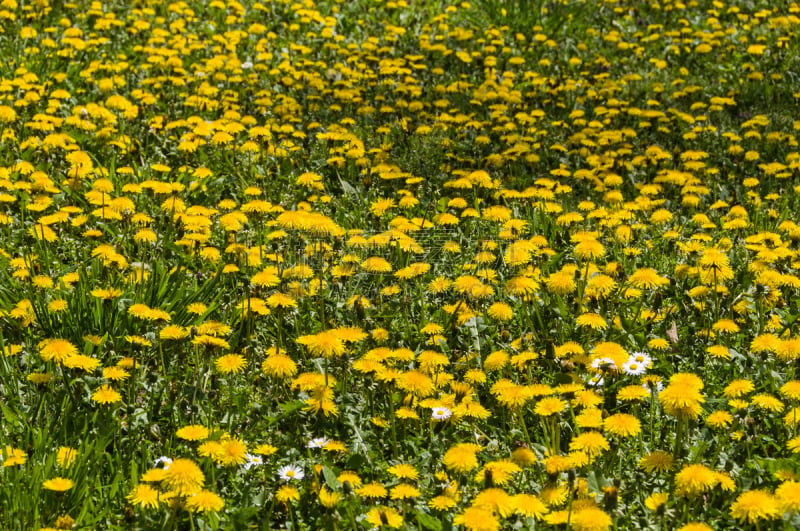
(401, 264)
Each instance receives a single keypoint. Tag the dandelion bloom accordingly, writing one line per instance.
(232, 451)
(695, 526)
(230, 363)
(477, 519)
(656, 500)
(600, 286)
(522, 286)
(403, 471)
(281, 300)
(66, 456)
(719, 352)
(403, 491)
(794, 445)
(622, 425)
(738, 388)
(286, 494)
(279, 366)
(561, 283)
(56, 350)
(792, 418)
(591, 417)
(647, 278)
(106, 395)
(372, 490)
(499, 472)
(591, 519)
(143, 495)
(555, 495)
(154, 475)
(498, 500)
(173, 332)
(611, 353)
(115, 373)
(384, 516)
(329, 498)
(591, 442)
(719, 419)
(197, 308)
(695, 479)
(788, 495)
(589, 249)
(326, 344)
(265, 449)
(13, 457)
(755, 505)
(495, 361)
(523, 456)
(558, 518)
(768, 402)
(682, 399)
(416, 383)
(376, 264)
(79, 361)
(657, 461)
(193, 432)
(442, 503)
(791, 390)
(204, 501)
(591, 320)
(632, 393)
(529, 506)
(510, 394)
(184, 477)
(321, 399)
(58, 484)
(462, 457)
(406, 413)
(549, 406)
(500, 311)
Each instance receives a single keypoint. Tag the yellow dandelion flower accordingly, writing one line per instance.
(193, 432)
(477, 519)
(56, 350)
(58, 484)
(204, 501)
(695, 479)
(622, 425)
(230, 363)
(462, 457)
(106, 395)
(384, 516)
(184, 477)
(755, 505)
(143, 495)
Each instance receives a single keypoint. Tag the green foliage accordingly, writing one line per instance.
(421, 265)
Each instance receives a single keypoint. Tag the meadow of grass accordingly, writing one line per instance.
(400, 264)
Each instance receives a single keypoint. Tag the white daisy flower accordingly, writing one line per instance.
(441, 413)
(596, 381)
(633, 368)
(290, 472)
(641, 359)
(604, 364)
(318, 442)
(252, 460)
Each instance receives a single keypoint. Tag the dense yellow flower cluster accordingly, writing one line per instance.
(399, 264)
